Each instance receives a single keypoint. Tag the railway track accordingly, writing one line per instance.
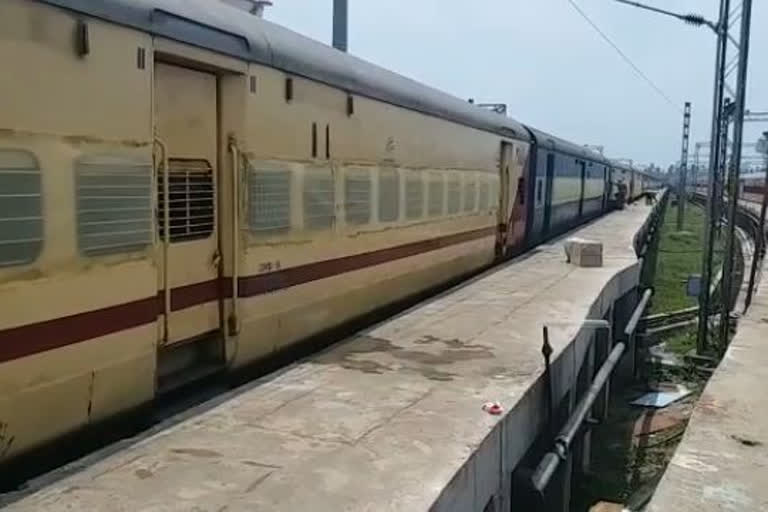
(748, 221)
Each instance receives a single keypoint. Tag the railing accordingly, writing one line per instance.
(645, 234)
(562, 444)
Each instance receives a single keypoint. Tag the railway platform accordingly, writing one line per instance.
(721, 463)
(392, 418)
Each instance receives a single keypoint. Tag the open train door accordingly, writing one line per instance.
(548, 193)
(607, 187)
(505, 161)
(582, 181)
(512, 209)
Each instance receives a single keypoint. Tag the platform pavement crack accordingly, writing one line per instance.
(391, 417)
(258, 482)
(336, 440)
(288, 402)
(532, 298)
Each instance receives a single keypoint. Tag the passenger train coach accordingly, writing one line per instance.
(187, 189)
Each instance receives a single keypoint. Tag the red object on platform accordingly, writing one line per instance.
(494, 408)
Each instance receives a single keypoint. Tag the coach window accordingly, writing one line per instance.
(21, 222)
(389, 195)
(269, 201)
(414, 197)
(357, 197)
(454, 196)
(470, 194)
(318, 199)
(436, 193)
(485, 195)
(114, 204)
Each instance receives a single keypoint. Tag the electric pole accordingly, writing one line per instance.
(714, 151)
(733, 171)
(340, 25)
(682, 194)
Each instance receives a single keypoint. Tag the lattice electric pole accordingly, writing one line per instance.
(721, 29)
(682, 194)
(734, 170)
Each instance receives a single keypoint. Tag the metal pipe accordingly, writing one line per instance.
(234, 317)
(166, 238)
(562, 444)
(734, 169)
(637, 314)
(546, 351)
(760, 241)
(550, 462)
(714, 152)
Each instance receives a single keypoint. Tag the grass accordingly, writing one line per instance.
(681, 342)
(679, 257)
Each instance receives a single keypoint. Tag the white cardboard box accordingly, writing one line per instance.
(584, 253)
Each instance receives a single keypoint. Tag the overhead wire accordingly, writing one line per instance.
(625, 57)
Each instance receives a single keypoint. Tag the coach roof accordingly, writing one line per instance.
(232, 31)
(549, 141)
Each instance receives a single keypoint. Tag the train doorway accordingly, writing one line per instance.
(186, 121)
(582, 182)
(548, 192)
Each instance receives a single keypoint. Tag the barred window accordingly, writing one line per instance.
(389, 195)
(436, 188)
(470, 195)
(319, 197)
(357, 197)
(454, 196)
(269, 200)
(21, 221)
(493, 190)
(114, 204)
(414, 197)
(485, 193)
(190, 196)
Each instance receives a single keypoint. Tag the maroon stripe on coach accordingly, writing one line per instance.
(273, 281)
(34, 338)
(30, 339)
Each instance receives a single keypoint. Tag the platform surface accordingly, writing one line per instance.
(721, 463)
(386, 420)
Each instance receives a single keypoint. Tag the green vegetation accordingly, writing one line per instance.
(679, 257)
(682, 342)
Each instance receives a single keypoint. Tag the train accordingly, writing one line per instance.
(752, 186)
(188, 190)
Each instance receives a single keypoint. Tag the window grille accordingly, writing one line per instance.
(269, 200)
(319, 197)
(191, 200)
(485, 193)
(436, 188)
(414, 197)
(454, 196)
(114, 204)
(389, 195)
(470, 196)
(21, 221)
(357, 197)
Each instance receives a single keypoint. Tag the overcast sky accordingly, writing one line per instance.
(552, 69)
